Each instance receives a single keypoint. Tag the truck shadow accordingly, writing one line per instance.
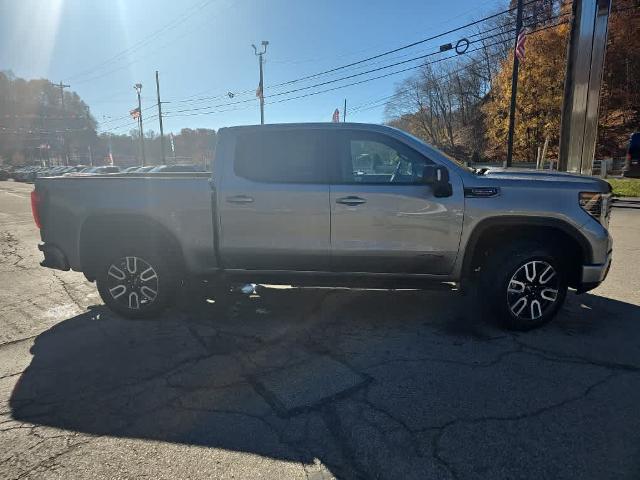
(291, 374)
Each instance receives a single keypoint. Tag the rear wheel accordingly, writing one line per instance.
(525, 285)
(136, 283)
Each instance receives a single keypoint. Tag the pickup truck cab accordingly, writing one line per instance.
(331, 204)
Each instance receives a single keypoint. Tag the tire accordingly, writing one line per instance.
(137, 282)
(524, 285)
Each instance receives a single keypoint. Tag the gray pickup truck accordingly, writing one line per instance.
(331, 204)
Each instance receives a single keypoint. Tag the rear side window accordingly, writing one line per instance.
(288, 156)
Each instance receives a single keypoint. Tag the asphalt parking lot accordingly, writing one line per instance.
(312, 383)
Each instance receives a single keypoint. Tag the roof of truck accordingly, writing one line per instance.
(338, 125)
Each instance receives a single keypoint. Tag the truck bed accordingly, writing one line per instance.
(178, 203)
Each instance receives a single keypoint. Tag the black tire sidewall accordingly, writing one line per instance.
(167, 280)
(498, 275)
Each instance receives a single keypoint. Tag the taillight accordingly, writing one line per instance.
(35, 207)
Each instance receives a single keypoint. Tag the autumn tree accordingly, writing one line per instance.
(445, 101)
(538, 100)
(620, 93)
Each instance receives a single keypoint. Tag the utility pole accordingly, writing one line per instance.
(344, 111)
(138, 89)
(260, 91)
(160, 117)
(62, 86)
(514, 86)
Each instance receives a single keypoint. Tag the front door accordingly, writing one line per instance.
(384, 219)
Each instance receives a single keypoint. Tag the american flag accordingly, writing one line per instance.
(135, 113)
(520, 50)
(336, 116)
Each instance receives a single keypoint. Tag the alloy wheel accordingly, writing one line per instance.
(132, 282)
(533, 290)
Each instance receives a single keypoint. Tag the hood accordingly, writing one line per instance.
(528, 175)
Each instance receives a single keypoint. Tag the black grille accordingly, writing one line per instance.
(594, 207)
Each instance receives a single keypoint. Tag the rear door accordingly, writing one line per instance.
(273, 201)
(384, 218)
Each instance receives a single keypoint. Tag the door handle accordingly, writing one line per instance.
(351, 200)
(240, 199)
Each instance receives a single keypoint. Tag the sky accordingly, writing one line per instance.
(202, 50)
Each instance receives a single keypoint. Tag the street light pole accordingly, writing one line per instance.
(261, 86)
(160, 118)
(65, 143)
(138, 88)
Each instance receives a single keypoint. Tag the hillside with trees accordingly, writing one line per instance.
(462, 107)
(34, 124)
(36, 127)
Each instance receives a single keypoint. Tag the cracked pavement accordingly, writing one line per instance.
(311, 383)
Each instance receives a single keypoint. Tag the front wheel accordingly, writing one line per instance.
(136, 284)
(525, 285)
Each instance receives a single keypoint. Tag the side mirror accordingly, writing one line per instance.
(438, 177)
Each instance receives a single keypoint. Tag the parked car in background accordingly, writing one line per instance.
(28, 174)
(146, 168)
(5, 173)
(20, 173)
(74, 170)
(130, 169)
(100, 170)
(52, 171)
(632, 162)
(177, 168)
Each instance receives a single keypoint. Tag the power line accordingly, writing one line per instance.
(376, 103)
(404, 70)
(211, 109)
(129, 124)
(111, 120)
(404, 47)
(335, 88)
(145, 41)
(362, 61)
(420, 57)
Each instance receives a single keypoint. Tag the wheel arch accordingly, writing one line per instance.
(491, 233)
(100, 232)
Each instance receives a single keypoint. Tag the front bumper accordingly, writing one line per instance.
(53, 257)
(594, 275)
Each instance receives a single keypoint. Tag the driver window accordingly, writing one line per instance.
(374, 162)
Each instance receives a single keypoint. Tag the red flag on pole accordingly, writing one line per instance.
(520, 44)
(336, 116)
(135, 113)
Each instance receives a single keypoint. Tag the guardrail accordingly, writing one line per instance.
(613, 166)
(626, 203)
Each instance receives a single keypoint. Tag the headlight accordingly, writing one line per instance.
(597, 205)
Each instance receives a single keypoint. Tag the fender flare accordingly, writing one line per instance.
(143, 222)
(519, 220)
